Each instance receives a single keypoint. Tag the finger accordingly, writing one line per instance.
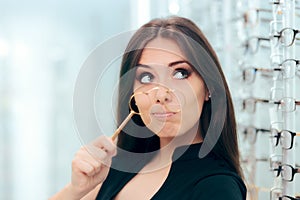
(96, 168)
(82, 167)
(95, 152)
(93, 155)
(87, 164)
(106, 144)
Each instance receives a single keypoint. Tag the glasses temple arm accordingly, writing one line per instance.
(263, 130)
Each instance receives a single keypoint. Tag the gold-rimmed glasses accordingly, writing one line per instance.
(134, 111)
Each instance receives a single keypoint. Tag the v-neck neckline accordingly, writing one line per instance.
(181, 153)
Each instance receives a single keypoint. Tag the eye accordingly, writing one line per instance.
(181, 73)
(145, 77)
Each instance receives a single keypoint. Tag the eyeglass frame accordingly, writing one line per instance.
(256, 69)
(272, 193)
(247, 45)
(279, 36)
(280, 102)
(297, 65)
(246, 15)
(279, 135)
(295, 170)
(278, 2)
(269, 70)
(255, 130)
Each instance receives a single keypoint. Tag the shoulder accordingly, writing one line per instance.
(220, 186)
(93, 193)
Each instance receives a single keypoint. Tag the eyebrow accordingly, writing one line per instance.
(169, 65)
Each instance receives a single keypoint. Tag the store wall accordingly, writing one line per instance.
(43, 46)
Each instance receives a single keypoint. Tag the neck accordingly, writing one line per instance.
(179, 141)
(163, 158)
(192, 136)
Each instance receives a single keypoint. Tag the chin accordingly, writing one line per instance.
(168, 132)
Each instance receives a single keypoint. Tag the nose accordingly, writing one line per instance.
(163, 95)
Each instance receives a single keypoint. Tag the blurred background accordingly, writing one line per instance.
(43, 45)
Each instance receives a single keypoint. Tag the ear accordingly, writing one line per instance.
(207, 95)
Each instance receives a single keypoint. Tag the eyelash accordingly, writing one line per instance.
(143, 75)
(184, 72)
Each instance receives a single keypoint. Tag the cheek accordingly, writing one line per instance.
(200, 95)
(143, 104)
(200, 101)
(193, 106)
(195, 99)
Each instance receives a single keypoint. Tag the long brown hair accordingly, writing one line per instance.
(189, 38)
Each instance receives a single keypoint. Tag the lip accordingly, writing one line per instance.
(163, 115)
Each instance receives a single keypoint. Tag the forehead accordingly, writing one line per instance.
(161, 51)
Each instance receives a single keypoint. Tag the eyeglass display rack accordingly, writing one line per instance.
(284, 14)
(259, 29)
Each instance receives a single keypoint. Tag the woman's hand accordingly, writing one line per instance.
(91, 164)
(90, 168)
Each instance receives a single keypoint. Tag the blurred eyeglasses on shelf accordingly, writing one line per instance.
(276, 194)
(250, 132)
(249, 74)
(252, 17)
(246, 161)
(286, 104)
(275, 160)
(286, 197)
(249, 104)
(253, 43)
(286, 171)
(281, 2)
(286, 138)
(288, 67)
(286, 37)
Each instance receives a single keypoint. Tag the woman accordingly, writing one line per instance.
(182, 143)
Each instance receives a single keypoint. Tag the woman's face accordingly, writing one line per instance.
(169, 93)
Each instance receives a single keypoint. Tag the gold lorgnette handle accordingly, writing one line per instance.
(116, 133)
